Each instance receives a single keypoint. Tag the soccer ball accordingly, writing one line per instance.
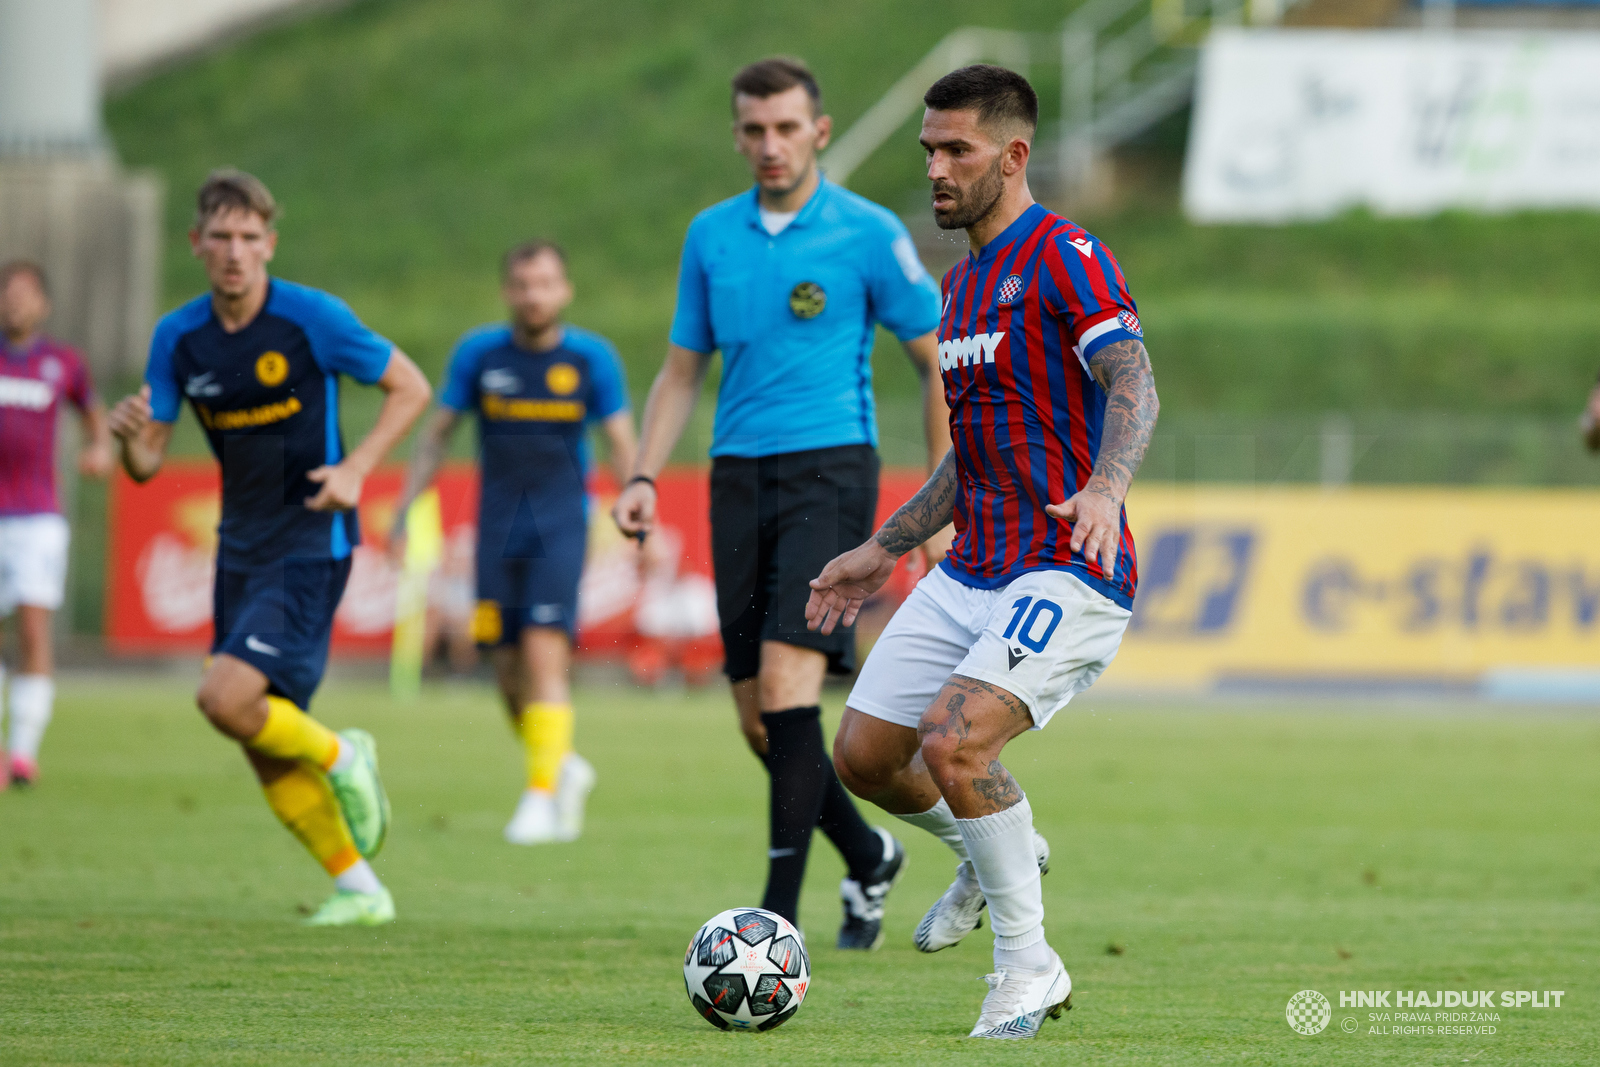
(746, 969)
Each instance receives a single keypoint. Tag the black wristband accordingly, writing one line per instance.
(645, 478)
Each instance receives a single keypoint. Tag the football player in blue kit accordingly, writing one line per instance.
(260, 360)
(536, 385)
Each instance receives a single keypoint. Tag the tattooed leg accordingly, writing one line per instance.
(961, 734)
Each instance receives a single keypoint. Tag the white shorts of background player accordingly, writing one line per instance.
(33, 561)
(1044, 638)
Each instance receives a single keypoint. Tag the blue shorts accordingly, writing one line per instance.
(279, 619)
(515, 592)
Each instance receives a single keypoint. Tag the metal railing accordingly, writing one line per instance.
(1125, 65)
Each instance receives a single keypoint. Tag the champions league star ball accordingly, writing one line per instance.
(747, 970)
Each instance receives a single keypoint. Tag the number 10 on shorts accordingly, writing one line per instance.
(1028, 634)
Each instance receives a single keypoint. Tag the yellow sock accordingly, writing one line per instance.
(305, 804)
(547, 732)
(292, 734)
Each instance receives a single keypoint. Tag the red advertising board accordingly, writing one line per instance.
(654, 606)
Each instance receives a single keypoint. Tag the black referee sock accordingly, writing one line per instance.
(858, 843)
(797, 771)
(803, 791)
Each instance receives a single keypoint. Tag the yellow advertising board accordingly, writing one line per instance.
(1242, 584)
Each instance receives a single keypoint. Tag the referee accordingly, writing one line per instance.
(788, 281)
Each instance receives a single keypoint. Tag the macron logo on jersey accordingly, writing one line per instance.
(978, 348)
(28, 393)
(1084, 246)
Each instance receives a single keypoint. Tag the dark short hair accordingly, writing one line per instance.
(24, 266)
(773, 75)
(231, 189)
(998, 95)
(527, 250)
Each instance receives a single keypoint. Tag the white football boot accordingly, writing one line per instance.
(960, 911)
(1020, 1001)
(572, 791)
(536, 821)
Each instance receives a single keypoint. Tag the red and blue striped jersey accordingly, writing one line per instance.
(1021, 320)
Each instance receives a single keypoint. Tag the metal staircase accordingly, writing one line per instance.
(1125, 66)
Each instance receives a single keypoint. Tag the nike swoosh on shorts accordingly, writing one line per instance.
(254, 644)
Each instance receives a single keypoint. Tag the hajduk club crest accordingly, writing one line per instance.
(1130, 322)
(1009, 290)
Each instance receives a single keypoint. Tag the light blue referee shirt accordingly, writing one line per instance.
(794, 314)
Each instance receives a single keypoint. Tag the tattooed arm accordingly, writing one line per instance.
(925, 514)
(1123, 371)
(838, 592)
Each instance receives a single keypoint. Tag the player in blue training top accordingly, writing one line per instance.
(1052, 403)
(536, 385)
(790, 281)
(260, 360)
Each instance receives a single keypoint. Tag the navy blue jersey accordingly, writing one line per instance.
(268, 399)
(533, 409)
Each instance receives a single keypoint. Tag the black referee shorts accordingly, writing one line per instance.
(776, 521)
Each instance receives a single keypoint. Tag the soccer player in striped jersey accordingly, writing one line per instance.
(1052, 402)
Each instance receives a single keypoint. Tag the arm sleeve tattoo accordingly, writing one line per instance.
(1123, 371)
(924, 514)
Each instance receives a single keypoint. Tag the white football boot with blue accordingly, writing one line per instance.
(960, 911)
(1019, 1001)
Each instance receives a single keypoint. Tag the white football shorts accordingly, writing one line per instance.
(33, 561)
(1044, 638)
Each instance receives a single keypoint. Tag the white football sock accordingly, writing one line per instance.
(342, 761)
(359, 877)
(1036, 957)
(31, 698)
(941, 823)
(1001, 847)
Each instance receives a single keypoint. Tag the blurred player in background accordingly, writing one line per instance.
(36, 372)
(260, 360)
(536, 385)
(1052, 403)
(789, 281)
(1589, 424)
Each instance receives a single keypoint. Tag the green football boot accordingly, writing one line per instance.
(360, 793)
(347, 908)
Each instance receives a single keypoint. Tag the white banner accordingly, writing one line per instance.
(1293, 124)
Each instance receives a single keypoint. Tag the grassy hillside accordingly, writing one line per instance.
(412, 140)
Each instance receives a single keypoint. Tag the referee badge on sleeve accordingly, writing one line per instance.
(807, 300)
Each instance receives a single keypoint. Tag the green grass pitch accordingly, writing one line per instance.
(1210, 861)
